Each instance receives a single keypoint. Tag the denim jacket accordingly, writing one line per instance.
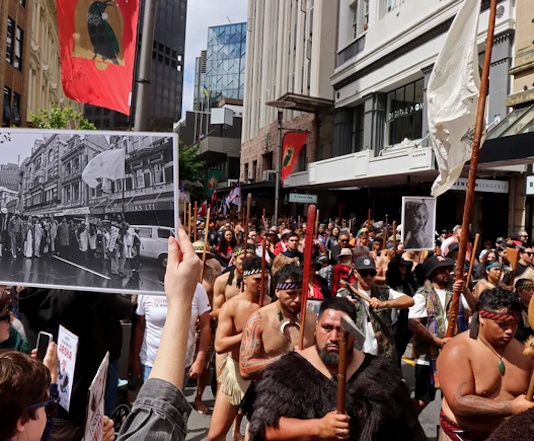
(160, 412)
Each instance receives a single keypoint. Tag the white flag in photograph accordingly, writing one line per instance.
(109, 164)
(453, 92)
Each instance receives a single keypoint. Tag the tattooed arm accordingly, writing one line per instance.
(458, 387)
(250, 365)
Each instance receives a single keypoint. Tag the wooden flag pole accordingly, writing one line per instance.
(185, 214)
(262, 285)
(368, 222)
(317, 225)
(245, 228)
(195, 223)
(308, 245)
(298, 225)
(249, 203)
(472, 263)
(263, 217)
(384, 235)
(470, 193)
(206, 232)
(189, 221)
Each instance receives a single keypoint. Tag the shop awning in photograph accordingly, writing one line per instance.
(511, 142)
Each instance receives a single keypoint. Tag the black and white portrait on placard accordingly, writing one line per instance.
(418, 223)
(86, 210)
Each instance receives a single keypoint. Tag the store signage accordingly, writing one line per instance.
(530, 184)
(484, 186)
(303, 198)
(406, 111)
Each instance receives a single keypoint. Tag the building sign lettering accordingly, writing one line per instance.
(406, 111)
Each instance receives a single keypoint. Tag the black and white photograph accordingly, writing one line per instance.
(418, 223)
(86, 210)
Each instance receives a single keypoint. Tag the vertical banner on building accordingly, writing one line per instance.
(67, 348)
(291, 147)
(97, 43)
(214, 176)
(94, 425)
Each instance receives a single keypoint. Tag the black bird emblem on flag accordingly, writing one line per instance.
(288, 156)
(102, 36)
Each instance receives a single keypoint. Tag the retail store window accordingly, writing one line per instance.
(404, 117)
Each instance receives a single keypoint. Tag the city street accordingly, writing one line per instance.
(198, 425)
(57, 271)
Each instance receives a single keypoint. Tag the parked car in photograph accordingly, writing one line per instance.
(154, 241)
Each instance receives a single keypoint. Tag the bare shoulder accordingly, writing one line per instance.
(459, 346)
(515, 349)
(222, 279)
(215, 265)
(311, 318)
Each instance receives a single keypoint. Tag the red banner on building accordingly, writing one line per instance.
(97, 42)
(291, 147)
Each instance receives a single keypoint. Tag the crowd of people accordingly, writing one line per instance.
(232, 314)
(110, 244)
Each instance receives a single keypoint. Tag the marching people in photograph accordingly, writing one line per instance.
(92, 210)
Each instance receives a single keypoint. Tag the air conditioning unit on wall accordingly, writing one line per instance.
(269, 175)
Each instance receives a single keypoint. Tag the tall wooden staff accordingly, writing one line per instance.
(470, 194)
(195, 223)
(189, 221)
(308, 244)
(385, 236)
(206, 232)
(317, 225)
(472, 263)
(298, 224)
(263, 217)
(395, 237)
(262, 285)
(185, 214)
(249, 203)
(369, 221)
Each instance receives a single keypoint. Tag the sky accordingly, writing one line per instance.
(202, 14)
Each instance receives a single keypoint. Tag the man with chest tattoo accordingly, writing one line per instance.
(483, 372)
(232, 319)
(212, 270)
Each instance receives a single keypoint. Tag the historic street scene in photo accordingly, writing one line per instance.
(87, 211)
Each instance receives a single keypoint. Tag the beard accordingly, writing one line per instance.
(331, 358)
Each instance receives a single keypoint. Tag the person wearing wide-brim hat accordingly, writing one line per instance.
(428, 320)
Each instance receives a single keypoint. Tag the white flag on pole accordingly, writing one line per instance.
(235, 195)
(453, 92)
(109, 164)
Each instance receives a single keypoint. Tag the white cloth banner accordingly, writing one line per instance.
(453, 92)
(94, 426)
(67, 348)
(109, 164)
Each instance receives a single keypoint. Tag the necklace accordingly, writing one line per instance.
(501, 365)
(287, 322)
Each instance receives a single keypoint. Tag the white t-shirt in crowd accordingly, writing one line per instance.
(155, 311)
(370, 345)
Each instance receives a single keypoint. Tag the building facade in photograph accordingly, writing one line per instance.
(52, 184)
(44, 88)
(166, 77)
(15, 30)
(291, 52)
(381, 151)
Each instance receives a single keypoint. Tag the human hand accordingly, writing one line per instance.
(196, 369)
(459, 286)
(377, 304)
(183, 270)
(443, 341)
(50, 360)
(334, 426)
(109, 429)
(520, 404)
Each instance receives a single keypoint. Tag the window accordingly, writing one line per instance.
(22, 3)
(254, 170)
(359, 17)
(140, 179)
(145, 232)
(10, 37)
(16, 109)
(404, 119)
(68, 194)
(19, 41)
(76, 165)
(68, 169)
(76, 192)
(358, 123)
(303, 159)
(246, 172)
(164, 234)
(158, 174)
(50, 157)
(7, 107)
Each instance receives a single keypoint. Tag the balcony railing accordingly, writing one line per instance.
(351, 51)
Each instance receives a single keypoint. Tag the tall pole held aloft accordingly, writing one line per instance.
(470, 194)
(308, 245)
(145, 66)
(278, 167)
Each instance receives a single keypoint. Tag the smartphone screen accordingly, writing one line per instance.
(42, 345)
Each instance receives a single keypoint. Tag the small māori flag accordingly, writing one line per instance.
(291, 147)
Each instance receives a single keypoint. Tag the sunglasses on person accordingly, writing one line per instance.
(343, 240)
(367, 273)
(50, 406)
(6, 316)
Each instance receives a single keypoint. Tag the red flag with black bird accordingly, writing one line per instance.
(291, 147)
(97, 41)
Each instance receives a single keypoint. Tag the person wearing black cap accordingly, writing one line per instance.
(453, 251)
(428, 320)
(374, 318)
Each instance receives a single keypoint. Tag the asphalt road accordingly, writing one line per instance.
(79, 272)
(198, 425)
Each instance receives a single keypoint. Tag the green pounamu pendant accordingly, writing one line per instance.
(502, 368)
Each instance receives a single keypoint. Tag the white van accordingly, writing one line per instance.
(154, 241)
